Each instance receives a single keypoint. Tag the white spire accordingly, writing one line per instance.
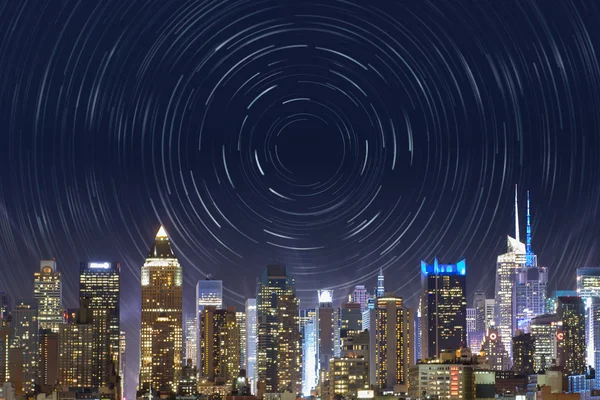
(517, 236)
(161, 233)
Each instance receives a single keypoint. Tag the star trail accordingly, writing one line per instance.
(337, 137)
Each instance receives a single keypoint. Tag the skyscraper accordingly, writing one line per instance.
(544, 333)
(122, 361)
(190, 337)
(48, 355)
(251, 342)
(479, 306)
(391, 343)
(220, 345)
(523, 351)
(471, 324)
(309, 351)
(571, 314)
(380, 286)
(5, 305)
(24, 347)
(490, 313)
(588, 287)
(162, 325)
(350, 320)
(443, 307)
(240, 318)
(278, 359)
(360, 296)
(209, 292)
(327, 329)
(100, 282)
(47, 290)
(494, 350)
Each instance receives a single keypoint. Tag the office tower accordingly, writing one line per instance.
(443, 307)
(350, 320)
(369, 323)
(122, 361)
(190, 339)
(309, 351)
(588, 287)
(380, 286)
(507, 268)
(100, 282)
(4, 350)
(48, 365)
(251, 342)
(494, 350)
(277, 356)
(360, 296)
(327, 329)
(571, 313)
(544, 333)
(523, 350)
(593, 314)
(84, 359)
(390, 343)
(410, 336)
(5, 306)
(47, 291)
(348, 376)
(162, 325)
(240, 318)
(418, 333)
(471, 321)
(24, 347)
(479, 306)
(490, 313)
(219, 344)
(433, 380)
(209, 292)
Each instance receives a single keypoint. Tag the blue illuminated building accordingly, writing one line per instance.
(443, 307)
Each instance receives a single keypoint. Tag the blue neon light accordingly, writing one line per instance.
(460, 268)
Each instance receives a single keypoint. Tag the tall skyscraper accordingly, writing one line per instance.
(544, 332)
(471, 323)
(588, 287)
(571, 314)
(327, 329)
(309, 351)
(479, 306)
(360, 296)
(369, 323)
(507, 268)
(4, 349)
(278, 360)
(48, 355)
(523, 351)
(490, 313)
(494, 350)
(47, 290)
(191, 337)
(24, 347)
(392, 342)
(123, 361)
(251, 342)
(443, 307)
(220, 345)
(162, 325)
(350, 320)
(380, 285)
(209, 292)
(240, 318)
(100, 282)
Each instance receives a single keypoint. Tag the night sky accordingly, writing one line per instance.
(337, 137)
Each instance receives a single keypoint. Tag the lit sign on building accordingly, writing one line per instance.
(325, 296)
(99, 265)
(365, 394)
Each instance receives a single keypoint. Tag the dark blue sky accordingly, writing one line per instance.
(337, 137)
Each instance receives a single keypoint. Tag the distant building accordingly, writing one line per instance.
(437, 380)
(48, 355)
(23, 356)
(219, 345)
(122, 361)
(350, 320)
(544, 332)
(348, 375)
(571, 313)
(443, 307)
(190, 337)
(251, 343)
(494, 350)
(479, 306)
(309, 351)
(327, 330)
(588, 288)
(47, 290)
(240, 318)
(360, 296)
(523, 351)
(209, 292)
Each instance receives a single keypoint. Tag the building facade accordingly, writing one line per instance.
(571, 316)
(209, 292)
(23, 354)
(251, 342)
(47, 291)
(544, 333)
(162, 317)
(220, 345)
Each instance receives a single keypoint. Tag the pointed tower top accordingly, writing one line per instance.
(161, 233)
(517, 236)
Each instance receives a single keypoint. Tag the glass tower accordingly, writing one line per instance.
(251, 342)
(209, 292)
(47, 290)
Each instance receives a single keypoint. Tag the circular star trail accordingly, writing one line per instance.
(336, 137)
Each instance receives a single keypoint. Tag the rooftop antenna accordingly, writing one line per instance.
(517, 236)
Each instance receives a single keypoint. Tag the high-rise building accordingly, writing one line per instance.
(240, 318)
(571, 314)
(278, 360)
(360, 296)
(209, 292)
(369, 324)
(380, 285)
(251, 342)
(443, 307)
(4, 349)
(433, 380)
(5, 306)
(471, 321)
(350, 320)
(122, 361)
(24, 347)
(48, 365)
(327, 329)
(479, 306)
(190, 339)
(593, 314)
(494, 350)
(490, 313)
(100, 282)
(544, 333)
(162, 325)
(309, 351)
(507, 268)
(588, 287)
(392, 343)
(220, 345)
(348, 376)
(47, 290)
(523, 350)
